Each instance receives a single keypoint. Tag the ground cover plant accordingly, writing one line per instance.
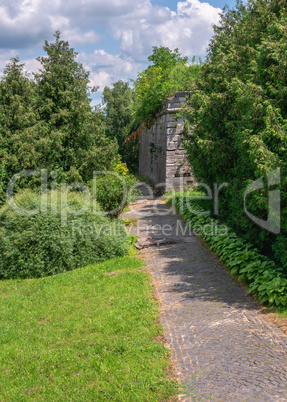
(88, 334)
(267, 281)
(58, 240)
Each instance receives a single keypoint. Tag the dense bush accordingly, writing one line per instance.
(114, 190)
(238, 113)
(265, 279)
(45, 244)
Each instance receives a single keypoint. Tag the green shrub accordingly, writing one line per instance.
(113, 190)
(265, 279)
(43, 244)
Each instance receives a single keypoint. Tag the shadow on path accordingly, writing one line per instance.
(223, 349)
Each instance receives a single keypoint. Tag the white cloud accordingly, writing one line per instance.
(189, 29)
(31, 65)
(5, 57)
(26, 23)
(106, 68)
(74, 35)
(22, 23)
(137, 25)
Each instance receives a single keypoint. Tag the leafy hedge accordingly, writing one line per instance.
(238, 111)
(265, 279)
(40, 245)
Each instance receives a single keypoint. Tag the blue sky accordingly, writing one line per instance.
(113, 37)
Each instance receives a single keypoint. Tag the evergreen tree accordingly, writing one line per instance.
(238, 114)
(48, 123)
(118, 102)
(77, 144)
(18, 123)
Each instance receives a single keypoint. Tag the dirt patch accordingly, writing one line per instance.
(275, 319)
(161, 339)
(119, 272)
(94, 385)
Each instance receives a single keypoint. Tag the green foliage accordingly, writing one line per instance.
(169, 73)
(127, 109)
(18, 123)
(43, 244)
(265, 279)
(118, 102)
(114, 189)
(238, 113)
(77, 144)
(48, 122)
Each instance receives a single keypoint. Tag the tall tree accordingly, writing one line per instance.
(238, 113)
(77, 144)
(118, 102)
(165, 58)
(48, 122)
(18, 123)
(168, 73)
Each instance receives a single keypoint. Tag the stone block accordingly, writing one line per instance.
(174, 105)
(170, 160)
(182, 94)
(171, 146)
(176, 138)
(174, 130)
(171, 125)
(180, 152)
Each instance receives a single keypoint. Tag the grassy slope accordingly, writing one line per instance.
(83, 335)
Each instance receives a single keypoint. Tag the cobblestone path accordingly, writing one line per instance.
(222, 347)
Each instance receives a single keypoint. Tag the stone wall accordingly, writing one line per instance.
(162, 155)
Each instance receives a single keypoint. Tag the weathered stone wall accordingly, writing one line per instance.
(162, 155)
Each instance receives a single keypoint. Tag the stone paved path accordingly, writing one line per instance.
(222, 347)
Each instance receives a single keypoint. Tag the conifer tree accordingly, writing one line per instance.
(48, 122)
(18, 123)
(77, 144)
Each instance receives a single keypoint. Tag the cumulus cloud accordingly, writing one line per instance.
(136, 25)
(4, 59)
(27, 23)
(189, 29)
(31, 65)
(106, 68)
(22, 24)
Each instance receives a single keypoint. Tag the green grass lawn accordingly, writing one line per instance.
(89, 334)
